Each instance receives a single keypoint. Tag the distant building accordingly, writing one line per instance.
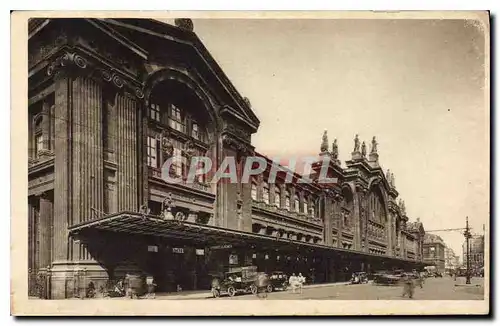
(451, 260)
(434, 251)
(476, 252)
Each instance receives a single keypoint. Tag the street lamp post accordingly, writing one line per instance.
(467, 236)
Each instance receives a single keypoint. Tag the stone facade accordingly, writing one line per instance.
(106, 110)
(434, 251)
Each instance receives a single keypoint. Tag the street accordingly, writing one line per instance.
(433, 289)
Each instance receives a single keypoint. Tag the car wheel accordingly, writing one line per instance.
(231, 291)
(285, 287)
(269, 288)
(216, 293)
(253, 289)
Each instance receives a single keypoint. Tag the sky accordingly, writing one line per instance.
(417, 85)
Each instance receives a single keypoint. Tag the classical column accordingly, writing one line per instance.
(126, 152)
(62, 165)
(45, 230)
(87, 158)
(328, 204)
(357, 216)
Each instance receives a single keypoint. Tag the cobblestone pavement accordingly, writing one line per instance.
(433, 289)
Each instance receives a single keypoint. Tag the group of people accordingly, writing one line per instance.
(296, 282)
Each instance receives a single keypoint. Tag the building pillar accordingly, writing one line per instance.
(45, 226)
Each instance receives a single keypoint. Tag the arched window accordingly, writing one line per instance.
(287, 199)
(277, 196)
(305, 205)
(313, 209)
(254, 191)
(265, 193)
(296, 203)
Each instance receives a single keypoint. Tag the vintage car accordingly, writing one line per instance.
(359, 278)
(237, 280)
(278, 280)
(387, 278)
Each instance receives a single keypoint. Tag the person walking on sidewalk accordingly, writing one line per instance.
(301, 282)
(408, 286)
(293, 282)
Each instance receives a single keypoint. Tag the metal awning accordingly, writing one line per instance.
(136, 223)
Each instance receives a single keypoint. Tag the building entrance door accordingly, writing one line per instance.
(156, 266)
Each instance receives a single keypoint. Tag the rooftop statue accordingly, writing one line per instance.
(356, 143)
(374, 145)
(363, 149)
(335, 149)
(324, 142)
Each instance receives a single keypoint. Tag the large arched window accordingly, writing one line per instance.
(313, 208)
(376, 207)
(305, 205)
(179, 128)
(347, 208)
(265, 192)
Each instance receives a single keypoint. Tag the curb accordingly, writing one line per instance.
(208, 295)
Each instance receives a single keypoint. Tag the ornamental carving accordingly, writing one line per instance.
(67, 60)
(237, 145)
(72, 62)
(184, 23)
(117, 81)
(238, 131)
(166, 145)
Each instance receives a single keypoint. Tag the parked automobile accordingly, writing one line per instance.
(237, 280)
(438, 274)
(278, 280)
(386, 278)
(359, 278)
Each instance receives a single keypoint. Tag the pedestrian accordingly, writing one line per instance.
(420, 280)
(293, 282)
(301, 282)
(408, 286)
(150, 284)
(262, 283)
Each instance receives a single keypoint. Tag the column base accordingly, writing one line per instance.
(70, 279)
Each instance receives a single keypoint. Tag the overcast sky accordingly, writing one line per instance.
(415, 84)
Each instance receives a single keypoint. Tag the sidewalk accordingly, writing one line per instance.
(207, 294)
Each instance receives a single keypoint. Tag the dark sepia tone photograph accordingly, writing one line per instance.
(251, 164)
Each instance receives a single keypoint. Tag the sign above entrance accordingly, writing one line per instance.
(178, 250)
(200, 252)
(226, 246)
(152, 248)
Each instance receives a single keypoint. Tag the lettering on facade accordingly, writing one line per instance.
(225, 246)
(152, 248)
(178, 250)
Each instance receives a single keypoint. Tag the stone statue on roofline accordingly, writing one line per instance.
(374, 145)
(356, 143)
(363, 149)
(393, 180)
(388, 177)
(324, 142)
(335, 150)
